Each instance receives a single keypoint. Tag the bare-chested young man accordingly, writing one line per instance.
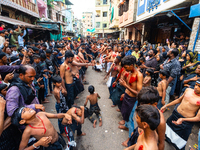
(133, 85)
(114, 70)
(148, 119)
(40, 127)
(148, 95)
(188, 106)
(67, 78)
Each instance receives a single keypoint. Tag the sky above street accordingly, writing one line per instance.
(82, 6)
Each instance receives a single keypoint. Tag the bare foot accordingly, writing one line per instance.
(64, 134)
(100, 122)
(48, 95)
(113, 106)
(94, 124)
(77, 97)
(122, 122)
(118, 110)
(83, 134)
(125, 143)
(123, 127)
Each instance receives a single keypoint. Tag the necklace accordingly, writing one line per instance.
(196, 93)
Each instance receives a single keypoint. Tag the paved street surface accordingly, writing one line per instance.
(108, 136)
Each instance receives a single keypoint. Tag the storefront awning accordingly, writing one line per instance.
(17, 22)
(169, 13)
(49, 25)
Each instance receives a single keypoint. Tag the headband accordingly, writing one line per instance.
(198, 82)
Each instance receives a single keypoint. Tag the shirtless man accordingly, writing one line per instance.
(114, 70)
(67, 78)
(189, 105)
(150, 96)
(148, 119)
(133, 85)
(77, 114)
(111, 56)
(38, 126)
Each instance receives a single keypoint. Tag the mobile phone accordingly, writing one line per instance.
(13, 71)
(167, 40)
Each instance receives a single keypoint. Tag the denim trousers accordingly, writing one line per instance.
(167, 97)
(45, 87)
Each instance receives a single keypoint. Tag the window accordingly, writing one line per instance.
(104, 2)
(126, 5)
(121, 10)
(63, 18)
(97, 24)
(90, 16)
(57, 17)
(104, 14)
(105, 25)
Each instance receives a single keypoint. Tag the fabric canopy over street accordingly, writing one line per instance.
(68, 2)
(17, 22)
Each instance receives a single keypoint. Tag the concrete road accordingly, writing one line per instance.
(108, 136)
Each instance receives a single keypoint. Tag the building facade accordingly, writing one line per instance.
(87, 21)
(21, 10)
(102, 18)
(159, 20)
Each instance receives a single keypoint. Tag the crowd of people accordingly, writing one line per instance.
(143, 81)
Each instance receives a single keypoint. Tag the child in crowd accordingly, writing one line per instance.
(61, 106)
(94, 107)
(98, 66)
(148, 119)
(3, 90)
(147, 79)
(162, 88)
(39, 126)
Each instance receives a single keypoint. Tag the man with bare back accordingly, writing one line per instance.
(133, 85)
(188, 106)
(67, 78)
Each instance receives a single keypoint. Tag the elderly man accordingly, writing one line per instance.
(22, 93)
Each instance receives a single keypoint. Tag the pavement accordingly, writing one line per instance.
(109, 136)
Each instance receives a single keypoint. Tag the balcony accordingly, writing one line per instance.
(25, 6)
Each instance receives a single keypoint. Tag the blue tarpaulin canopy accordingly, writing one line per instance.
(195, 11)
(49, 25)
(91, 30)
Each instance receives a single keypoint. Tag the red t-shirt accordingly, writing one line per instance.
(1, 28)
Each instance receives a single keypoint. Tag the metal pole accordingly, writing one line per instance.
(181, 21)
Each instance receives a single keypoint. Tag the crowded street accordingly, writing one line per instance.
(99, 74)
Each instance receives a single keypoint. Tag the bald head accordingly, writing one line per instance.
(27, 74)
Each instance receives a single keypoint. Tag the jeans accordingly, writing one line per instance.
(174, 86)
(76, 126)
(45, 87)
(130, 123)
(61, 127)
(50, 84)
(199, 141)
(167, 97)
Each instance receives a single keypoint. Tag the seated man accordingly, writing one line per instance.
(188, 107)
(39, 126)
